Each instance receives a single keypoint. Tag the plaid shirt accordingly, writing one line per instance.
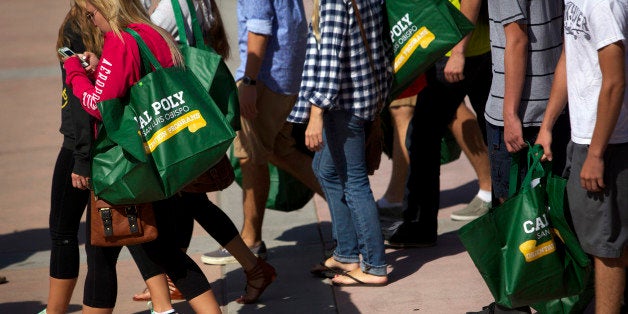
(337, 73)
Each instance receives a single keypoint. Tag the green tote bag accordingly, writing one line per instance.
(422, 31)
(183, 132)
(524, 249)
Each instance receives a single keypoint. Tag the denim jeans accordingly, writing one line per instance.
(500, 158)
(341, 170)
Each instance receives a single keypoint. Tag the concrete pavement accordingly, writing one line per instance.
(440, 279)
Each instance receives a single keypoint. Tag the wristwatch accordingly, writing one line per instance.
(247, 80)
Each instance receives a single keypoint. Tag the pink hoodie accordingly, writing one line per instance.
(119, 67)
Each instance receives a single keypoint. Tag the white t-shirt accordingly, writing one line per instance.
(589, 26)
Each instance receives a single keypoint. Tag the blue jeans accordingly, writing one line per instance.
(500, 158)
(341, 170)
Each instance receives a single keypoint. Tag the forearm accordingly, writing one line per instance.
(611, 97)
(515, 65)
(256, 49)
(558, 95)
(470, 9)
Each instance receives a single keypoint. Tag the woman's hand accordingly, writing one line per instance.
(80, 182)
(91, 59)
(314, 130)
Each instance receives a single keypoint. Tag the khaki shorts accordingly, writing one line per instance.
(408, 101)
(269, 133)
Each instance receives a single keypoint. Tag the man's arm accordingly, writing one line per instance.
(256, 48)
(515, 65)
(555, 106)
(612, 65)
(455, 65)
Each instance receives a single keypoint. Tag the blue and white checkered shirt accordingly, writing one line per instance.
(337, 73)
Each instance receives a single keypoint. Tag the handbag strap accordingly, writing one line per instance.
(536, 169)
(369, 52)
(196, 28)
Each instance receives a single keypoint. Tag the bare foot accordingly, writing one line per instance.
(332, 263)
(357, 277)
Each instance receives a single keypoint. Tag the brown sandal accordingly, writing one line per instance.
(175, 294)
(262, 270)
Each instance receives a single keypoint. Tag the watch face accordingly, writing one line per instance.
(248, 81)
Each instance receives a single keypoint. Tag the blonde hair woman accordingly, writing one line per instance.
(118, 68)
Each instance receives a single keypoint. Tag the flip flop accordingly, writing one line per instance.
(323, 271)
(357, 283)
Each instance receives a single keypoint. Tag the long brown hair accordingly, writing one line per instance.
(79, 23)
(121, 13)
(216, 36)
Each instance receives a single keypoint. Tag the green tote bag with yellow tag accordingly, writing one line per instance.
(524, 248)
(182, 130)
(421, 31)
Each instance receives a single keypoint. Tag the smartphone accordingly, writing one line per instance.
(67, 52)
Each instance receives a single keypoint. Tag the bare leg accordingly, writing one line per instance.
(94, 310)
(467, 132)
(255, 186)
(238, 249)
(610, 281)
(59, 295)
(401, 117)
(299, 165)
(205, 304)
(159, 293)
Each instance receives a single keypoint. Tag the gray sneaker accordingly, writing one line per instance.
(222, 256)
(475, 209)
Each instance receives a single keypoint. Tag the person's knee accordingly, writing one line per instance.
(619, 262)
(63, 240)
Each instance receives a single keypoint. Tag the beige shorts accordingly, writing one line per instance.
(269, 133)
(408, 101)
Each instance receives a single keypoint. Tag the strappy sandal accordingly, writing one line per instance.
(323, 271)
(175, 294)
(262, 270)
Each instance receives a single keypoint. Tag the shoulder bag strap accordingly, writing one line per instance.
(148, 58)
(196, 28)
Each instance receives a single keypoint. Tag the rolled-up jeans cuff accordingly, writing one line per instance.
(373, 270)
(346, 259)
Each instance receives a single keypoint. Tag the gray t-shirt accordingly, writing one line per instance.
(544, 19)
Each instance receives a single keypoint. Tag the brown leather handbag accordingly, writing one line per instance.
(120, 225)
(218, 177)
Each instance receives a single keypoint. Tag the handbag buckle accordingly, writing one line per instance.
(131, 214)
(107, 221)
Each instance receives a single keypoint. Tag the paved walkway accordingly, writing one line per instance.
(441, 279)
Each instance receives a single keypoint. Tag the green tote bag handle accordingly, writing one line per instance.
(196, 28)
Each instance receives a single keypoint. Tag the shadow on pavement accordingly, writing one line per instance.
(31, 307)
(406, 262)
(18, 246)
(462, 194)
